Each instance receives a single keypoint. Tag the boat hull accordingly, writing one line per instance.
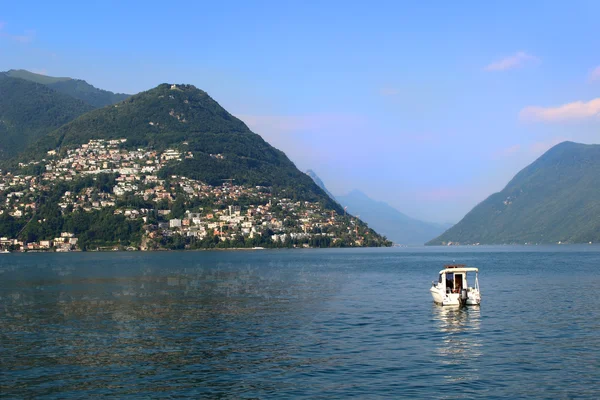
(438, 298)
(445, 299)
(454, 299)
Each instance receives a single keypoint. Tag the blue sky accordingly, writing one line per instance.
(429, 106)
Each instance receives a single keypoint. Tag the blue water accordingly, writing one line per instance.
(299, 324)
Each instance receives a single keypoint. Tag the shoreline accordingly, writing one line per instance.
(189, 250)
(398, 248)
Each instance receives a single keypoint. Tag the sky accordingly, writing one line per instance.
(429, 106)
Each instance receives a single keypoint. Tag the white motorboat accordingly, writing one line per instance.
(452, 288)
(5, 252)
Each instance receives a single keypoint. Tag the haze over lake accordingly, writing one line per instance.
(299, 324)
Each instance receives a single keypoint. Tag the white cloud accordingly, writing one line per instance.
(571, 111)
(516, 60)
(595, 74)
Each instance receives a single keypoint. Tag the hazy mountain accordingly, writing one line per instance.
(30, 110)
(319, 182)
(388, 221)
(76, 88)
(556, 198)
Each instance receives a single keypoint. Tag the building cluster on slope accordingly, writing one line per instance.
(226, 212)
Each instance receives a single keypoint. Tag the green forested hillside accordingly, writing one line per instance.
(33, 77)
(189, 120)
(30, 110)
(158, 117)
(556, 198)
(76, 88)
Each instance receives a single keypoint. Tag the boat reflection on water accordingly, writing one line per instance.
(459, 347)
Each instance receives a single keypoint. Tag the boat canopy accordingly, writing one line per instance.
(463, 269)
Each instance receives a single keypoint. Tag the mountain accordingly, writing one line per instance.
(319, 182)
(168, 168)
(76, 88)
(30, 110)
(384, 218)
(188, 119)
(388, 221)
(556, 198)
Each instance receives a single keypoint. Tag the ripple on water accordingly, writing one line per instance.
(317, 324)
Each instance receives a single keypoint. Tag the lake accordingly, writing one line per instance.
(299, 324)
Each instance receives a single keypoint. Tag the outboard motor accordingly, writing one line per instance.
(463, 294)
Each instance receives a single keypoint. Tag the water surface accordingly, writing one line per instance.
(299, 324)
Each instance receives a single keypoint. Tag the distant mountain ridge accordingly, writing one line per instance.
(76, 88)
(387, 220)
(555, 199)
(319, 182)
(382, 217)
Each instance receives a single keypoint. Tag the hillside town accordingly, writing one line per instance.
(168, 209)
